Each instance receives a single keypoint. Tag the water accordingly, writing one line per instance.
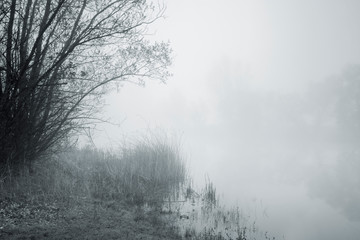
(293, 191)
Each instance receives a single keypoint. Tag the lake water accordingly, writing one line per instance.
(294, 192)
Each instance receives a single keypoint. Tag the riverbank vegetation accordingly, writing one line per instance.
(143, 190)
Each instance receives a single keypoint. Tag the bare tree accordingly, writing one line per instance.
(57, 58)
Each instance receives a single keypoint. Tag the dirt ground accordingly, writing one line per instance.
(82, 219)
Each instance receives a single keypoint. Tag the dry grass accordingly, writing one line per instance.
(149, 171)
(92, 183)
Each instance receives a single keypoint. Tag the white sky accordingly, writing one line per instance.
(224, 52)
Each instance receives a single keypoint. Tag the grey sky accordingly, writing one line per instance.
(241, 70)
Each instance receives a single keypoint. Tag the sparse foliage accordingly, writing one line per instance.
(57, 58)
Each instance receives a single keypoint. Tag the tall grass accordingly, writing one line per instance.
(149, 170)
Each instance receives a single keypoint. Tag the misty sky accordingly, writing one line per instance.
(264, 98)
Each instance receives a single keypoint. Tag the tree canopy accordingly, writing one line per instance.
(57, 58)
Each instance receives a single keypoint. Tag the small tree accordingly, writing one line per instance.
(57, 60)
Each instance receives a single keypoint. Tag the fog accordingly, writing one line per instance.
(265, 98)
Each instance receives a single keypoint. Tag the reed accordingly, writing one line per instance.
(150, 170)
